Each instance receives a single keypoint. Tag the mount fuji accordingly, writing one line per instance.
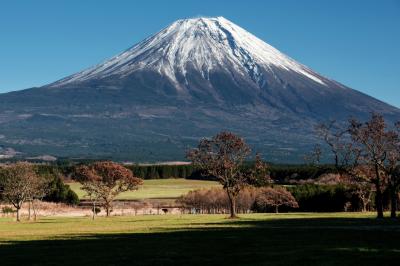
(192, 79)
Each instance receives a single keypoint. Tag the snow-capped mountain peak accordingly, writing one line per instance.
(202, 45)
(192, 79)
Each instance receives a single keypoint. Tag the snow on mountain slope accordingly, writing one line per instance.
(192, 79)
(205, 44)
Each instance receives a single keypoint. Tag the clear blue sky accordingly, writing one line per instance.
(354, 42)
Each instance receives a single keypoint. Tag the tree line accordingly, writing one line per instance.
(282, 173)
(366, 162)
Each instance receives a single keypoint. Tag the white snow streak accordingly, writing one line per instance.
(201, 43)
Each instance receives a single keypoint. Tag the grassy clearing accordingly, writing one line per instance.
(157, 188)
(255, 239)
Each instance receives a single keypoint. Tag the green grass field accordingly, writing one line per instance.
(255, 239)
(157, 188)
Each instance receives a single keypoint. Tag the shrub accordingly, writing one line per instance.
(7, 210)
(97, 210)
(60, 192)
(322, 198)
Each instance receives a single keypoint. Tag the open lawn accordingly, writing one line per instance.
(255, 239)
(157, 188)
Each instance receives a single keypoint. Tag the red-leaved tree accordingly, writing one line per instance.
(222, 156)
(103, 181)
(275, 197)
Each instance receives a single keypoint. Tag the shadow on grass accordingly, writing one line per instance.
(330, 222)
(327, 241)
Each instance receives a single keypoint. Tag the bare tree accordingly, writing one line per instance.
(345, 153)
(392, 168)
(348, 160)
(394, 183)
(359, 179)
(376, 142)
(222, 156)
(313, 159)
(106, 180)
(20, 183)
(275, 197)
(40, 188)
(93, 197)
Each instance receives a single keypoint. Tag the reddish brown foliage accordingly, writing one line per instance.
(275, 197)
(222, 157)
(103, 181)
(376, 143)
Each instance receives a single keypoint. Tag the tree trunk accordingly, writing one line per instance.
(107, 206)
(29, 210)
(363, 203)
(276, 209)
(18, 215)
(232, 205)
(378, 200)
(393, 201)
(94, 210)
(34, 211)
(364, 207)
(379, 203)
